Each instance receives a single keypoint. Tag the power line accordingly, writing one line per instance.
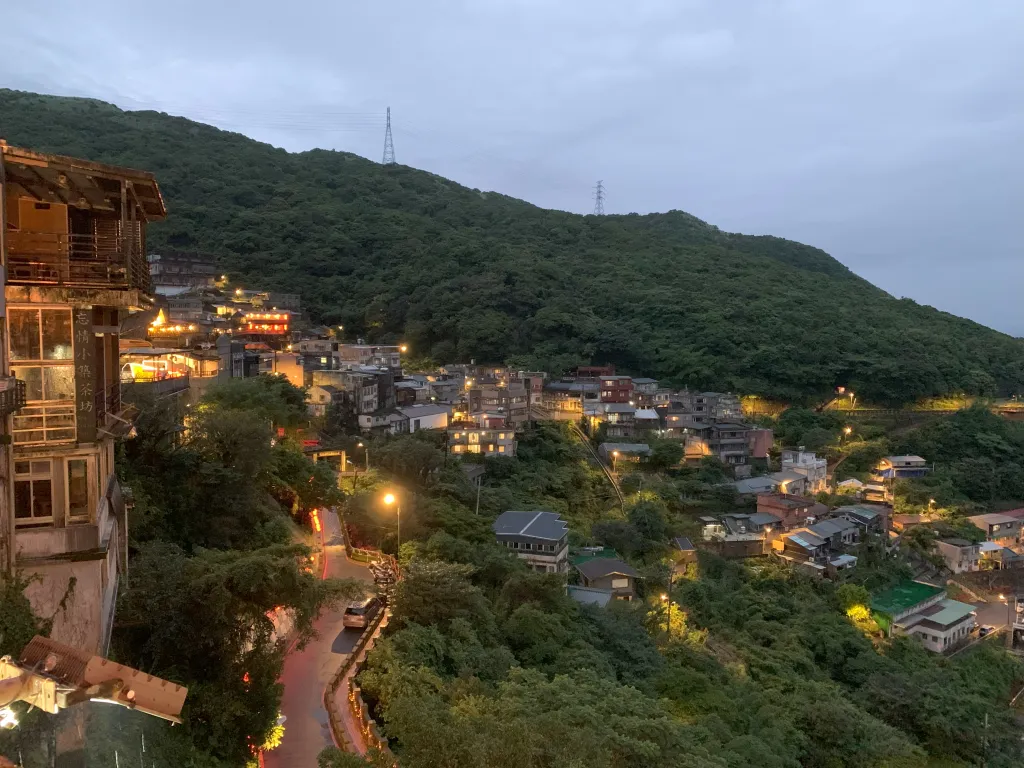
(389, 145)
(599, 199)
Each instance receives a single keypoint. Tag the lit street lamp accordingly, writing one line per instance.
(615, 460)
(367, 452)
(390, 499)
(668, 615)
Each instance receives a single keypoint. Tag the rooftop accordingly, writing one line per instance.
(905, 460)
(535, 525)
(593, 553)
(862, 511)
(806, 539)
(993, 518)
(415, 411)
(627, 447)
(944, 613)
(683, 544)
(789, 501)
(589, 595)
(605, 566)
(904, 596)
(647, 413)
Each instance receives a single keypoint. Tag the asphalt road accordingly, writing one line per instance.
(307, 672)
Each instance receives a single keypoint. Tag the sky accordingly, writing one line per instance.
(889, 133)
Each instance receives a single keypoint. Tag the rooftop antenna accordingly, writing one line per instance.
(389, 145)
(599, 199)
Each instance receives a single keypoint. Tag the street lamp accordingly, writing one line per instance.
(615, 460)
(668, 615)
(390, 499)
(367, 452)
(404, 348)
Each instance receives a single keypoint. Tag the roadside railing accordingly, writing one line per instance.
(349, 668)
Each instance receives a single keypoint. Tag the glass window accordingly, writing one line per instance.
(56, 326)
(78, 489)
(24, 332)
(33, 492)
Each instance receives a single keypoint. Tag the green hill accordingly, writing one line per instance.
(395, 253)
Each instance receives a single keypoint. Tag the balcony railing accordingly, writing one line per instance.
(43, 258)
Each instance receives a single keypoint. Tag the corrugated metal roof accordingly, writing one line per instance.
(537, 525)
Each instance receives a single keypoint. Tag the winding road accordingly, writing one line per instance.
(307, 672)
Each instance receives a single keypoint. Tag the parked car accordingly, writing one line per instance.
(361, 612)
(985, 630)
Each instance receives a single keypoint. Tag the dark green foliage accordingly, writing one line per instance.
(978, 456)
(460, 273)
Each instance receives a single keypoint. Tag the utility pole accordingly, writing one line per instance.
(479, 482)
(389, 144)
(599, 199)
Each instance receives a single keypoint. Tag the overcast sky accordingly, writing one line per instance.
(888, 132)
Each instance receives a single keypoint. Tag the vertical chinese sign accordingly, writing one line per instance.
(85, 376)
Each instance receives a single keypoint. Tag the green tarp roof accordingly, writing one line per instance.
(904, 596)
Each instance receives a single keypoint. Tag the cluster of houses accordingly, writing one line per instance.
(1001, 546)
(796, 529)
(541, 540)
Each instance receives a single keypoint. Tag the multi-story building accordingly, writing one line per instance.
(378, 355)
(729, 441)
(808, 464)
(510, 399)
(961, 556)
(709, 406)
(539, 538)
(174, 272)
(491, 438)
(360, 389)
(998, 527)
(615, 389)
(644, 391)
(73, 244)
(569, 397)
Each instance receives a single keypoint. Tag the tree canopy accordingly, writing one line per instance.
(394, 253)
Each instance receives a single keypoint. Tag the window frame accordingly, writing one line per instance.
(46, 420)
(32, 477)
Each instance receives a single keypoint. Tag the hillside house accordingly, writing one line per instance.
(807, 463)
(961, 556)
(1001, 528)
(793, 511)
(923, 611)
(539, 538)
(608, 573)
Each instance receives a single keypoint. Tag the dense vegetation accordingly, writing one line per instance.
(214, 551)
(487, 664)
(392, 252)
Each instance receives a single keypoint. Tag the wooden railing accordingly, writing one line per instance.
(46, 258)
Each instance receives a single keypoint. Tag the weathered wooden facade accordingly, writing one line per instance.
(72, 241)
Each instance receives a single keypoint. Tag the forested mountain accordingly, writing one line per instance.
(396, 253)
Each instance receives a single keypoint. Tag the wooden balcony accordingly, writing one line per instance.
(76, 261)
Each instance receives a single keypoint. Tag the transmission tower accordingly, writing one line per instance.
(389, 145)
(599, 199)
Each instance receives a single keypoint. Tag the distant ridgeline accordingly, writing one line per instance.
(395, 253)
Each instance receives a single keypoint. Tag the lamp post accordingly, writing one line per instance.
(615, 460)
(846, 432)
(390, 499)
(668, 616)
(1009, 621)
(367, 452)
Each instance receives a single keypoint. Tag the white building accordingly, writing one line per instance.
(413, 418)
(961, 556)
(807, 463)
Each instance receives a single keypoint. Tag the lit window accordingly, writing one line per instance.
(42, 340)
(501, 449)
